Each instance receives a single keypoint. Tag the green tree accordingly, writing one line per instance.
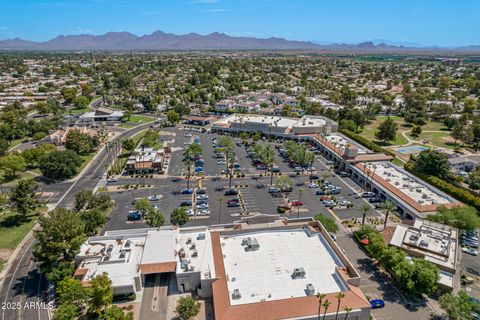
(129, 145)
(60, 164)
(59, 270)
(457, 306)
(416, 131)
(474, 179)
(115, 313)
(12, 163)
(93, 219)
(339, 297)
(326, 305)
(450, 122)
(80, 142)
(433, 163)
(81, 102)
(365, 208)
(59, 237)
(150, 138)
(23, 197)
(146, 101)
(4, 145)
(460, 217)
(388, 206)
(189, 154)
(66, 311)
(187, 307)
(101, 294)
(68, 94)
(155, 219)
(425, 276)
(127, 115)
(71, 291)
(283, 182)
(387, 130)
(173, 117)
(320, 297)
(179, 216)
(32, 156)
(328, 223)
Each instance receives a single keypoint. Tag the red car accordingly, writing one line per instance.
(297, 203)
(234, 200)
(325, 198)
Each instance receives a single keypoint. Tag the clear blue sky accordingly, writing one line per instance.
(429, 22)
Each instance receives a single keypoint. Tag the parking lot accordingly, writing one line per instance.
(252, 199)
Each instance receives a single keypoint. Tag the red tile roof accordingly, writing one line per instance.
(158, 267)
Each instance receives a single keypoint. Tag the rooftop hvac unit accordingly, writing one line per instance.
(236, 294)
(310, 290)
(252, 245)
(298, 273)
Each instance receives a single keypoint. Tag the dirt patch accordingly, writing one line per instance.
(5, 254)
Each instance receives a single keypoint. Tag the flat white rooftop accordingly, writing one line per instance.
(307, 121)
(194, 249)
(342, 142)
(119, 259)
(418, 191)
(267, 273)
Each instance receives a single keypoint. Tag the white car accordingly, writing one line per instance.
(155, 197)
(471, 251)
(221, 162)
(188, 134)
(202, 206)
(190, 212)
(312, 185)
(203, 212)
(112, 180)
(345, 203)
(202, 197)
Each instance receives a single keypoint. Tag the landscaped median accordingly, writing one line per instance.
(414, 276)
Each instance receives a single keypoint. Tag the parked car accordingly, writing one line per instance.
(203, 212)
(314, 177)
(343, 174)
(202, 205)
(275, 169)
(329, 162)
(112, 180)
(233, 204)
(134, 215)
(329, 203)
(231, 192)
(375, 200)
(312, 185)
(471, 251)
(287, 189)
(345, 203)
(154, 197)
(377, 303)
(233, 200)
(274, 190)
(298, 169)
(190, 212)
(297, 203)
(334, 237)
(368, 194)
(202, 197)
(186, 191)
(186, 204)
(201, 191)
(325, 197)
(221, 162)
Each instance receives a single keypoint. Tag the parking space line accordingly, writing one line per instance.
(333, 214)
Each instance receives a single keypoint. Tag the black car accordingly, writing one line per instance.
(186, 204)
(201, 191)
(231, 192)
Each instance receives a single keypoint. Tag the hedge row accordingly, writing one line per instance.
(456, 192)
(365, 142)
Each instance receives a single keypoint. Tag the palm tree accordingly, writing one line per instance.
(326, 304)
(219, 200)
(365, 208)
(188, 156)
(300, 191)
(347, 312)
(388, 206)
(320, 297)
(339, 297)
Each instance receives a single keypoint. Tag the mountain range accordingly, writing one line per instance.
(158, 40)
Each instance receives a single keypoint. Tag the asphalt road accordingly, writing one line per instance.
(23, 283)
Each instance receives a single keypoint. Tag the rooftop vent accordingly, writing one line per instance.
(310, 290)
(236, 294)
(252, 245)
(298, 273)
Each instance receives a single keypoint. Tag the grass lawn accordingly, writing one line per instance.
(369, 131)
(85, 160)
(13, 230)
(439, 139)
(138, 119)
(16, 142)
(78, 111)
(2, 264)
(398, 162)
(126, 125)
